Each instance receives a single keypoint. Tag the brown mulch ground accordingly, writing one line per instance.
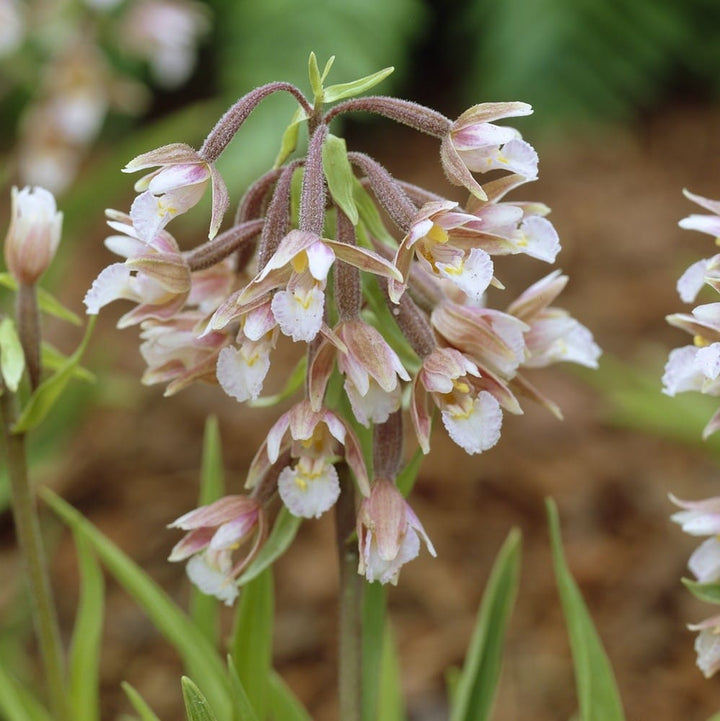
(616, 201)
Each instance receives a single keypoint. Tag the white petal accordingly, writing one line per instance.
(113, 283)
(386, 571)
(212, 579)
(707, 646)
(705, 561)
(478, 429)
(308, 496)
(241, 372)
(298, 313)
(539, 239)
(692, 280)
(472, 276)
(374, 406)
(320, 258)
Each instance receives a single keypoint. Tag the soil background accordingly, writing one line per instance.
(616, 199)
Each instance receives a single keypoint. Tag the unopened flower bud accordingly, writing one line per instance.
(34, 234)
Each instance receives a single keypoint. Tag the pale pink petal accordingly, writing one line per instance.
(707, 647)
(705, 561)
(320, 259)
(692, 280)
(178, 176)
(704, 223)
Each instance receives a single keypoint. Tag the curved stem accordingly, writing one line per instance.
(351, 588)
(27, 529)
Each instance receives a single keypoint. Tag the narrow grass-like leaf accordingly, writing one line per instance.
(708, 592)
(282, 535)
(12, 358)
(407, 477)
(715, 717)
(87, 636)
(293, 383)
(391, 706)
(197, 707)
(597, 691)
(283, 704)
(251, 643)
(139, 703)
(17, 703)
(373, 627)
(197, 653)
(290, 137)
(48, 392)
(53, 359)
(478, 680)
(333, 93)
(204, 608)
(242, 708)
(339, 174)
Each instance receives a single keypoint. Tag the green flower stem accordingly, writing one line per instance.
(28, 323)
(351, 588)
(27, 529)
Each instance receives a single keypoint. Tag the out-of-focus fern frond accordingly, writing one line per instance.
(259, 42)
(602, 59)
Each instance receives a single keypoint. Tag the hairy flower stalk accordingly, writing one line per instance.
(385, 322)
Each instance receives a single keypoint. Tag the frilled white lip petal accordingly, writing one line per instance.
(212, 580)
(387, 570)
(478, 429)
(375, 405)
(539, 239)
(308, 496)
(299, 314)
(114, 282)
(241, 373)
(707, 647)
(472, 276)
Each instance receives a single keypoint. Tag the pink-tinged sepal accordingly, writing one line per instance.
(172, 154)
(215, 532)
(420, 414)
(698, 518)
(389, 533)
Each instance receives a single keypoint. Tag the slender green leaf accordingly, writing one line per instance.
(242, 708)
(407, 477)
(334, 93)
(53, 359)
(251, 643)
(204, 608)
(197, 653)
(139, 703)
(715, 717)
(48, 392)
(87, 636)
(391, 705)
(708, 592)
(478, 680)
(197, 707)
(370, 216)
(47, 302)
(17, 703)
(597, 691)
(283, 703)
(282, 535)
(290, 136)
(12, 358)
(316, 82)
(373, 627)
(339, 174)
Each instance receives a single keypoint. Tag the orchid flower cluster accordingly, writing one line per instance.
(697, 368)
(389, 321)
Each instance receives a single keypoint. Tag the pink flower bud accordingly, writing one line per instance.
(34, 234)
